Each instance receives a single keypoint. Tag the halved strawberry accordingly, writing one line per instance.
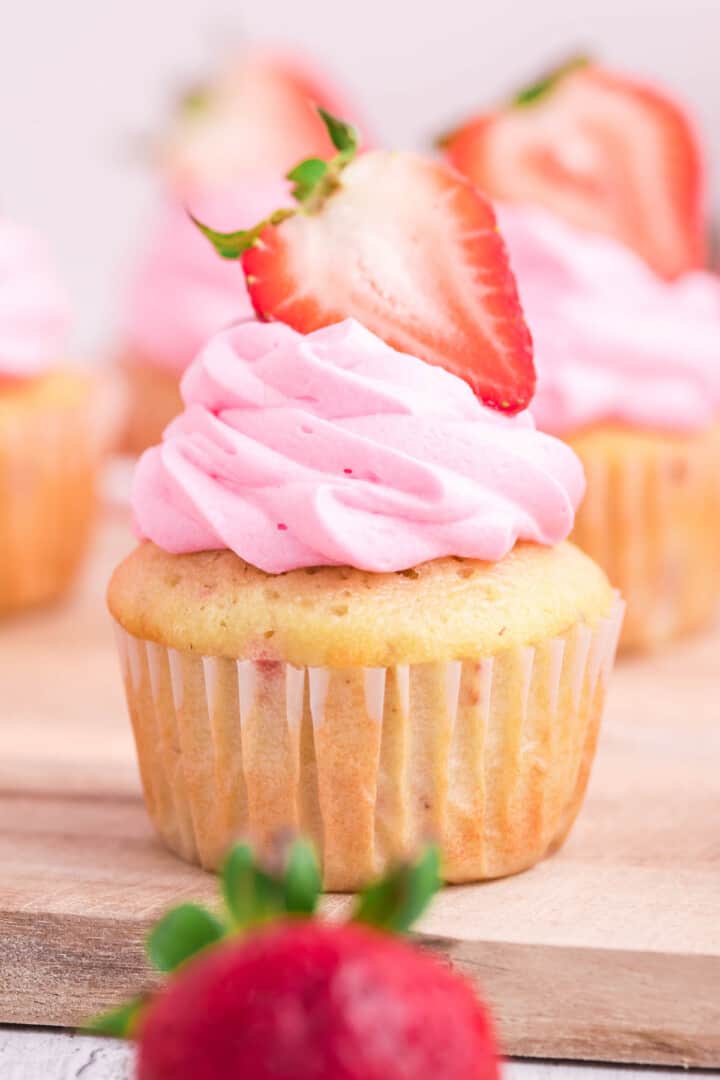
(259, 115)
(407, 247)
(605, 152)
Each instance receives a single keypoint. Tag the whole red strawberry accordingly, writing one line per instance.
(317, 1002)
(302, 999)
(604, 151)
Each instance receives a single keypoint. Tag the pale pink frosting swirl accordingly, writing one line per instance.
(181, 291)
(34, 310)
(334, 449)
(613, 342)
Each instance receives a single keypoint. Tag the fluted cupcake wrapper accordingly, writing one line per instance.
(489, 755)
(48, 465)
(652, 522)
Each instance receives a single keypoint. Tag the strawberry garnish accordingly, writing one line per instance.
(266, 991)
(258, 116)
(605, 152)
(404, 245)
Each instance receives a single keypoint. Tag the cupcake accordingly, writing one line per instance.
(353, 611)
(179, 294)
(629, 375)
(49, 438)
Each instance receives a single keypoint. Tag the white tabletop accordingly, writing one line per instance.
(33, 1054)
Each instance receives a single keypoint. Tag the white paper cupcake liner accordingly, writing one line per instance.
(488, 755)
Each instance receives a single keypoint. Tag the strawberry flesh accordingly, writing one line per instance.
(411, 250)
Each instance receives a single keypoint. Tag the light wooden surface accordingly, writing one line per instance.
(608, 951)
(44, 1055)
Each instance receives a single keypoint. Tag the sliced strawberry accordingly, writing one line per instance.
(258, 116)
(605, 152)
(411, 250)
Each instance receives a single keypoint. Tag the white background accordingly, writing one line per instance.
(82, 82)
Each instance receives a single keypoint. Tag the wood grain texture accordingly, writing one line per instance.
(608, 951)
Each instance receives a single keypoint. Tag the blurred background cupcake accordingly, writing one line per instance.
(602, 185)
(629, 375)
(223, 157)
(49, 430)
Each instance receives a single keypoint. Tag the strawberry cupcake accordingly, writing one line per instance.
(629, 374)
(353, 611)
(179, 294)
(49, 438)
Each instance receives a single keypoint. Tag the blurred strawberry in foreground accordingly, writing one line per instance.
(303, 999)
(404, 245)
(604, 151)
(258, 116)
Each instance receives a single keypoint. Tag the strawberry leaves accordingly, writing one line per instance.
(313, 180)
(547, 82)
(301, 883)
(253, 895)
(256, 894)
(120, 1023)
(182, 933)
(397, 900)
(343, 136)
(306, 177)
(233, 244)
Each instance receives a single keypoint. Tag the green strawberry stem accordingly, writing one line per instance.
(314, 180)
(548, 81)
(255, 895)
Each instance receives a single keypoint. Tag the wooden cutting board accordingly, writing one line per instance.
(608, 951)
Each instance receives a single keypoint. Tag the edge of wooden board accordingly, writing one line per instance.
(658, 1009)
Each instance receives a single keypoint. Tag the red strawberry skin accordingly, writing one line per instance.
(607, 153)
(411, 250)
(312, 1001)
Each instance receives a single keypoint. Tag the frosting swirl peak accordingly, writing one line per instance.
(334, 449)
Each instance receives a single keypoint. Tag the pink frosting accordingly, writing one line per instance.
(613, 342)
(181, 291)
(34, 311)
(334, 449)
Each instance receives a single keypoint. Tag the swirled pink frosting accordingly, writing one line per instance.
(181, 292)
(613, 342)
(34, 311)
(334, 449)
